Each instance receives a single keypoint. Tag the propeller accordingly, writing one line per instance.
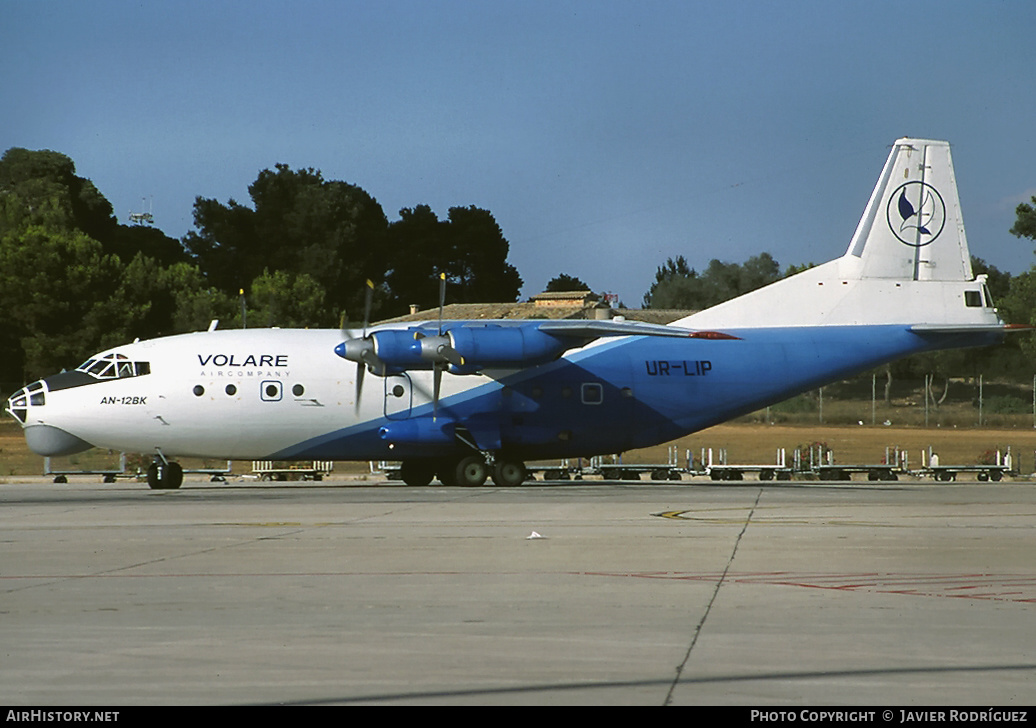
(438, 346)
(361, 350)
(438, 350)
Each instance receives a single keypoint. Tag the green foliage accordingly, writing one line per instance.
(337, 235)
(288, 300)
(1025, 222)
(678, 286)
(331, 231)
(468, 247)
(52, 283)
(564, 282)
(1006, 405)
(478, 258)
(72, 280)
(798, 404)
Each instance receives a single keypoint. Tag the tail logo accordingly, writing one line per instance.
(916, 214)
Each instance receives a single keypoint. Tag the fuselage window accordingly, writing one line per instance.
(231, 390)
(973, 299)
(270, 391)
(593, 393)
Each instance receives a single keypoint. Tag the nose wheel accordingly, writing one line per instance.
(164, 476)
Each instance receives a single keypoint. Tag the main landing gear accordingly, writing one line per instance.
(164, 475)
(469, 470)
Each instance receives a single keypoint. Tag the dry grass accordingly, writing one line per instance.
(747, 443)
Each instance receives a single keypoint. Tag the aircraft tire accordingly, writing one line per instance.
(471, 471)
(166, 477)
(507, 473)
(417, 473)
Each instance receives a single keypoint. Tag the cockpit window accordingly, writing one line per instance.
(33, 395)
(114, 366)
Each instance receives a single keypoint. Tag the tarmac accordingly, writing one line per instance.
(593, 593)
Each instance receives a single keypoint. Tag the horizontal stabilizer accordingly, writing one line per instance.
(970, 329)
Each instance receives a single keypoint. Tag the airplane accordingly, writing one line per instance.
(462, 401)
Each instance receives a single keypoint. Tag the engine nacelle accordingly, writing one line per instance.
(503, 346)
(400, 350)
(462, 350)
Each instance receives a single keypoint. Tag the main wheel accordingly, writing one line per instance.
(471, 471)
(508, 473)
(417, 473)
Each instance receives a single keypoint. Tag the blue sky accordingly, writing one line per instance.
(605, 136)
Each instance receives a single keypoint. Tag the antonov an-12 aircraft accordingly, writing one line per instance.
(465, 400)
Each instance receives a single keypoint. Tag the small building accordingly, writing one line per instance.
(582, 299)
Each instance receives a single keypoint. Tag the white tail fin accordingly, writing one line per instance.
(912, 228)
(907, 263)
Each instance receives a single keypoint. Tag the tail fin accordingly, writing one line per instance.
(912, 228)
(908, 262)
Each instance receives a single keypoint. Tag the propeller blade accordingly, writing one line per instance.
(436, 388)
(361, 369)
(442, 298)
(367, 306)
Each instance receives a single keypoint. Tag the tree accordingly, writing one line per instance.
(468, 247)
(679, 286)
(52, 285)
(331, 231)
(418, 250)
(478, 258)
(677, 268)
(41, 187)
(1025, 222)
(72, 280)
(288, 300)
(565, 282)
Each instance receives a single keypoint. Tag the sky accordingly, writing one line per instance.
(605, 136)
